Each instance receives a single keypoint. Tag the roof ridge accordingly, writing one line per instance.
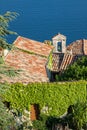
(27, 39)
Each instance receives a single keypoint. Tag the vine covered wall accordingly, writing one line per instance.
(56, 96)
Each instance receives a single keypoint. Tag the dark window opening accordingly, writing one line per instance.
(53, 76)
(59, 46)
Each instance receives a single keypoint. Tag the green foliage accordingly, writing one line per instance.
(56, 96)
(77, 118)
(41, 123)
(6, 118)
(77, 71)
(1, 60)
(30, 52)
(4, 24)
(48, 42)
(3, 88)
(8, 71)
(49, 64)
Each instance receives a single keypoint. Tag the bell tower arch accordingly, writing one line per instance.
(59, 43)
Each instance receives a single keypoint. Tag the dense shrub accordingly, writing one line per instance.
(77, 118)
(6, 118)
(56, 96)
(41, 123)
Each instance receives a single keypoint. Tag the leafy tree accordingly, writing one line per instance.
(4, 24)
(6, 117)
(48, 42)
(76, 71)
(77, 118)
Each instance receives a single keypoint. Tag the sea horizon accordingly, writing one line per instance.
(41, 20)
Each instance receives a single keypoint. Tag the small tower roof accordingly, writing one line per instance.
(59, 36)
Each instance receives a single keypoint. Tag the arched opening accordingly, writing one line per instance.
(59, 46)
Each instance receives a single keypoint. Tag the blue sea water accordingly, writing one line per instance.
(42, 19)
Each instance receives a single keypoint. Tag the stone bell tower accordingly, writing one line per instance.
(59, 43)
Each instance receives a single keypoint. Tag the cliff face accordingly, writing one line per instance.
(30, 57)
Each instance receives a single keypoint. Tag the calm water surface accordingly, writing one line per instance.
(42, 19)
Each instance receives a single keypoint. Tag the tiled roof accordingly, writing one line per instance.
(76, 47)
(61, 62)
(73, 51)
(31, 57)
(56, 61)
(67, 60)
(33, 46)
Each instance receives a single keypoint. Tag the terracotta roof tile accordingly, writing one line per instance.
(76, 47)
(33, 66)
(33, 46)
(67, 60)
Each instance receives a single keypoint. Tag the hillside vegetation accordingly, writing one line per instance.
(56, 97)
